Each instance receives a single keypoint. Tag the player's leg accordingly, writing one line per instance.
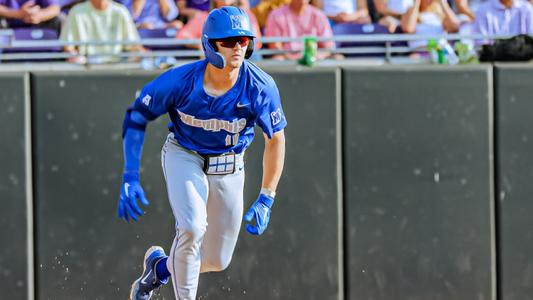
(187, 188)
(224, 216)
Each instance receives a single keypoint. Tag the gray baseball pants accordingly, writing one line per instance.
(208, 211)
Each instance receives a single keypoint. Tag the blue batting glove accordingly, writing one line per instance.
(129, 192)
(260, 209)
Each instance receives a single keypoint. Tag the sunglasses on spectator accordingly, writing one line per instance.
(232, 41)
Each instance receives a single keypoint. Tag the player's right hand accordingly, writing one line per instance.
(129, 192)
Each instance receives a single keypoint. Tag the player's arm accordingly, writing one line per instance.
(273, 160)
(133, 130)
(272, 120)
(152, 102)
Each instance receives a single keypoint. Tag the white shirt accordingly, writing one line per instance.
(399, 6)
(335, 7)
(85, 23)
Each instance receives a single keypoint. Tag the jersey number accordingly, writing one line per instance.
(232, 139)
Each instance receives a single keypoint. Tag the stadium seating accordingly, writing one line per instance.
(5, 38)
(359, 29)
(34, 34)
(162, 33)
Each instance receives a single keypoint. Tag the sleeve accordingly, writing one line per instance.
(130, 31)
(270, 116)
(156, 97)
(69, 31)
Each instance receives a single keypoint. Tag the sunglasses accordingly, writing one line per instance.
(232, 41)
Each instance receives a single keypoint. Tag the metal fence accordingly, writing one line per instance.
(385, 45)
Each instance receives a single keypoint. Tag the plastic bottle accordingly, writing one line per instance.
(433, 50)
(309, 51)
(451, 57)
(466, 53)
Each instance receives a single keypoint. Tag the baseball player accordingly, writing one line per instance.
(213, 105)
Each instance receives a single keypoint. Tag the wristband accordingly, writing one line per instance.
(129, 176)
(268, 192)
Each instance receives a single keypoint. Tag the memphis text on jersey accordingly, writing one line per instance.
(215, 125)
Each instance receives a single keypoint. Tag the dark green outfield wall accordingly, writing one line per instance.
(418, 182)
(14, 218)
(388, 190)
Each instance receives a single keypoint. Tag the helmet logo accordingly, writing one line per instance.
(239, 22)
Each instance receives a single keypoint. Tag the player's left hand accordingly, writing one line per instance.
(127, 204)
(260, 209)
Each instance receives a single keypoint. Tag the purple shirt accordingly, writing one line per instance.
(17, 4)
(152, 14)
(493, 17)
(199, 4)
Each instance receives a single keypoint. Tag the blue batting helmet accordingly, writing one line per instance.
(225, 22)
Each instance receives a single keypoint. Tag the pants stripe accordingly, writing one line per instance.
(174, 282)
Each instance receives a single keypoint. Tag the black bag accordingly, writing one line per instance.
(517, 48)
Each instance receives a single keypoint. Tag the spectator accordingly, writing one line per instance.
(345, 11)
(430, 17)
(193, 28)
(99, 20)
(391, 12)
(298, 19)
(264, 7)
(466, 12)
(151, 14)
(467, 8)
(31, 13)
(504, 17)
(189, 8)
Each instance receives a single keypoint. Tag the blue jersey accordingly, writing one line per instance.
(214, 125)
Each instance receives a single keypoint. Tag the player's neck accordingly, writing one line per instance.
(297, 8)
(219, 81)
(100, 4)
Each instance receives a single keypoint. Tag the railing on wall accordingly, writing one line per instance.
(385, 45)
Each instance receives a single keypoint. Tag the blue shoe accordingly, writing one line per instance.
(144, 286)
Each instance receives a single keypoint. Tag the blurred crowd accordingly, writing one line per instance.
(107, 20)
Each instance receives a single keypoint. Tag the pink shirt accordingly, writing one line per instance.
(282, 22)
(193, 28)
